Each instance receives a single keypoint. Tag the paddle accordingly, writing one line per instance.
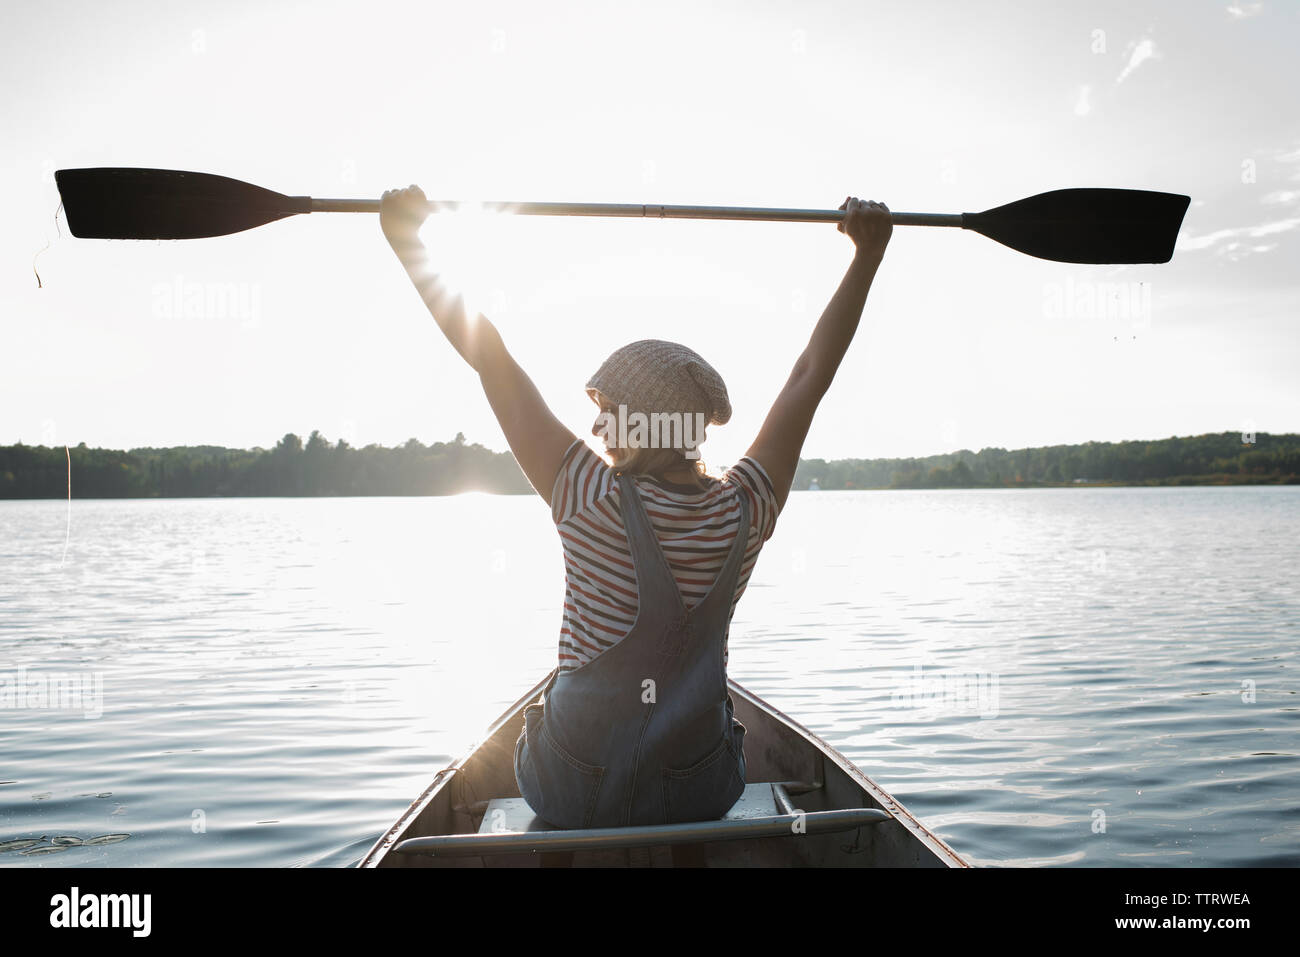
(1065, 225)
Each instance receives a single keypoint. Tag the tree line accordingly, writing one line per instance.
(1215, 459)
(292, 468)
(317, 467)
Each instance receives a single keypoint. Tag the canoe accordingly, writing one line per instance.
(804, 805)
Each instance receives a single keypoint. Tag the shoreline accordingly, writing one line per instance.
(1231, 481)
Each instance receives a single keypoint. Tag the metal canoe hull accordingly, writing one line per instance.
(777, 748)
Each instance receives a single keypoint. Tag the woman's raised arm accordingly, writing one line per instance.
(782, 435)
(537, 438)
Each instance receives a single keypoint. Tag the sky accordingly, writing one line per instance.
(310, 323)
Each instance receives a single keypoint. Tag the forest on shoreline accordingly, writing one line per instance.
(318, 467)
(1222, 458)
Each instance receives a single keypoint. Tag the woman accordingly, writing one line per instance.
(636, 726)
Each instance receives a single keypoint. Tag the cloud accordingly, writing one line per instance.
(1268, 229)
(1233, 242)
(1229, 240)
(1240, 11)
(1081, 106)
(1142, 51)
(1288, 157)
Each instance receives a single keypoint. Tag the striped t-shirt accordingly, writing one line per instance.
(695, 528)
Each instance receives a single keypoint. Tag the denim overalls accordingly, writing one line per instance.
(644, 733)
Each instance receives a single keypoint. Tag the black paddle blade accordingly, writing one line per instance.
(126, 203)
(1087, 225)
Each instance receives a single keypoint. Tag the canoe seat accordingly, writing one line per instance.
(513, 815)
(765, 809)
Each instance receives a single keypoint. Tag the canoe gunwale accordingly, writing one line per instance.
(883, 798)
(440, 780)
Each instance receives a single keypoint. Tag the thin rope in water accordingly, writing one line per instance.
(59, 233)
(67, 534)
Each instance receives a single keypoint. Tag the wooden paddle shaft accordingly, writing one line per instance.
(649, 212)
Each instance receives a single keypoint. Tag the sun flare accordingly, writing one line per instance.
(461, 243)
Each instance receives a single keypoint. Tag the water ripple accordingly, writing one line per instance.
(1095, 677)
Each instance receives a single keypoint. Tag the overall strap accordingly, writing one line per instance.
(648, 555)
(653, 576)
(724, 586)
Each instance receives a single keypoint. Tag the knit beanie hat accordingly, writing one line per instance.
(652, 375)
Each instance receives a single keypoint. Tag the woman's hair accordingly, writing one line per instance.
(655, 462)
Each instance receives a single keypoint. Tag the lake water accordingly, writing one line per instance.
(1088, 677)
